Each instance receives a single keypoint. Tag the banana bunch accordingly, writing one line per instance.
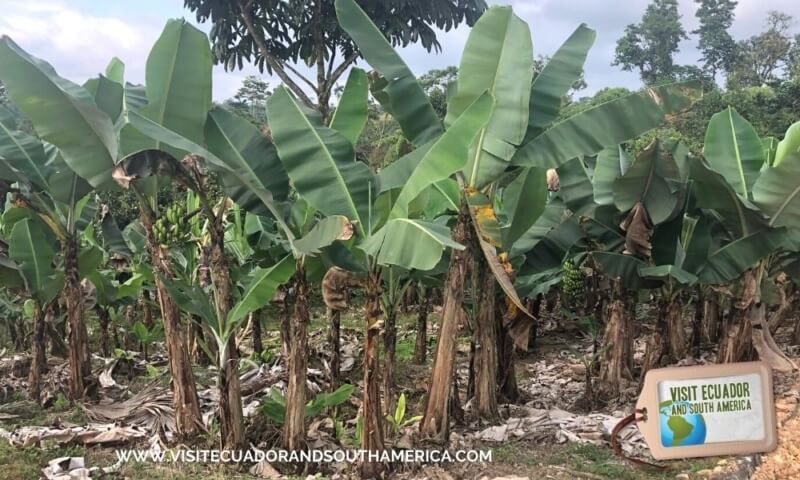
(572, 282)
(171, 227)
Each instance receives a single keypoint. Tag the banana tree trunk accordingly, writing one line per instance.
(711, 318)
(335, 342)
(421, 343)
(58, 347)
(614, 364)
(676, 334)
(736, 344)
(104, 320)
(372, 435)
(389, 360)
(506, 371)
(294, 431)
(188, 421)
(38, 361)
(230, 405)
(655, 348)
(255, 321)
(486, 353)
(697, 323)
(80, 367)
(435, 423)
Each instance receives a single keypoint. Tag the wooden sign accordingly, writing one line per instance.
(708, 410)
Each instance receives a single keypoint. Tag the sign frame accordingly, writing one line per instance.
(648, 401)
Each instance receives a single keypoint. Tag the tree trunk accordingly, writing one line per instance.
(58, 348)
(506, 371)
(435, 422)
(711, 320)
(147, 314)
(230, 400)
(258, 345)
(614, 362)
(372, 435)
(737, 341)
(80, 367)
(38, 361)
(697, 323)
(535, 309)
(285, 326)
(105, 320)
(230, 405)
(294, 431)
(335, 342)
(676, 335)
(389, 350)
(421, 343)
(486, 354)
(188, 421)
(655, 348)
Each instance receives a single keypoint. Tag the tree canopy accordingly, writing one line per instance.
(277, 34)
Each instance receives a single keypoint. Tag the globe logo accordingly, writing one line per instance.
(680, 430)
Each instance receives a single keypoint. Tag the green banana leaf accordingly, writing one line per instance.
(63, 113)
(178, 82)
(498, 58)
(556, 79)
(733, 148)
(404, 97)
(524, 200)
(325, 232)
(244, 149)
(263, 283)
(606, 125)
(446, 156)
(671, 275)
(654, 180)
(352, 111)
(22, 156)
(711, 191)
(397, 173)
(728, 262)
(770, 147)
(612, 163)
(789, 145)
(108, 95)
(575, 187)
(777, 192)
(115, 71)
(33, 250)
(409, 243)
(320, 162)
(624, 268)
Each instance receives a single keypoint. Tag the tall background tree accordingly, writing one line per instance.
(763, 59)
(715, 43)
(649, 47)
(277, 36)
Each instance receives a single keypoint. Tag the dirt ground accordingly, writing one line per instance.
(572, 445)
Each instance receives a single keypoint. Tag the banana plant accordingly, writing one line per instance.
(520, 133)
(30, 267)
(63, 201)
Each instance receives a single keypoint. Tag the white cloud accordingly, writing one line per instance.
(79, 40)
(78, 44)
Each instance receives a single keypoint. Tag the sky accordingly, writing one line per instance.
(79, 37)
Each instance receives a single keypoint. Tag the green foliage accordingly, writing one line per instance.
(649, 47)
(715, 43)
(274, 406)
(398, 419)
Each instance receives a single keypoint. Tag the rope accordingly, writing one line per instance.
(617, 447)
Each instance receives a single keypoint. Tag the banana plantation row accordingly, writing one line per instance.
(497, 206)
